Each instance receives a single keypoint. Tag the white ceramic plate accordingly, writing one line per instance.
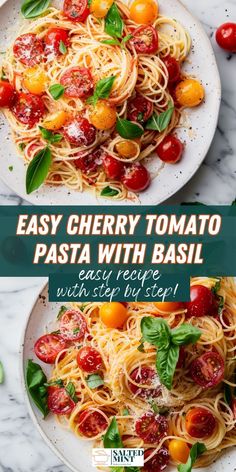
(74, 453)
(172, 177)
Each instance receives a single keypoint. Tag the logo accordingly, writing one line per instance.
(117, 457)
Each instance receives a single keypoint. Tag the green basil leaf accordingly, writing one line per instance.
(38, 169)
(34, 8)
(94, 381)
(185, 334)
(127, 129)
(10, 168)
(166, 361)
(56, 91)
(141, 347)
(102, 90)
(62, 47)
(161, 121)
(132, 469)
(155, 331)
(112, 42)
(109, 192)
(126, 38)
(58, 383)
(126, 412)
(62, 310)
(35, 381)
(196, 450)
(216, 288)
(70, 390)
(228, 397)
(1, 373)
(114, 24)
(50, 136)
(112, 437)
(22, 146)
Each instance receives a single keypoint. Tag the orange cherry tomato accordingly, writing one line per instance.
(113, 314)
(144, 12)
(127, 148)
(56, 120)
(179, 450)
(100, 8)
(35, 80)
(169, 307)
(189, 93)
(103, 115)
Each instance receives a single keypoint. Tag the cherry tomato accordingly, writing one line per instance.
(189, 93)
(113, 168)
(202, 301)
(53, 40)
(158, 462)
(79, 131)
(127, 148)
(139, 109)
(103, 115)
(169, 307)
(89, 163)
(59, 402)
(226, 36)
(76, 10)
(7, 94)
(47, 347)
(208, 369)
(182, 357)
(144, 376)
(179, 450)
(113, 314)
(145, 40)
(78, 82)
(173, 68)
(28, 109)
(151, 427)
(35, 80)
(56, 120)
(100, 8)
(89, 359)
(72, 325)
(170, 150)
(91, 423)
(28, 49)
(136, 177)
(200, 422)
(144, 12)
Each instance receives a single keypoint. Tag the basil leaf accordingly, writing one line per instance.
(22, 146)
(185, 334)
(109, 192)
(34, 8)
(155, 331)
(126, 38)
(114, 24)
(56, 91)
(62, 47)
(216, 288)
(228, 397)
(1, 373)
(161, 121)
(141, 347)
(10, 168)
(102, 90)
(166, 361)
(94, 381)
(196, 450)
(112, 437)
(70, 390)
(62, 310)
(112, 42)
(133, 469)
(126, 412)
(58, 383)
(49, 136)
(38, 169)
(35, 381)
(127, 129)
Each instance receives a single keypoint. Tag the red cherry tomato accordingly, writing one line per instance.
(151, 427)
(208, 369)
(139, 109)
(53, 39)
(173, 68)
(202, 301)
(158, 462)
(136, 177)
(89, 163)
(113, 168)
(59, 402)
(89, 359)
(144, 376)
(28, 109)
(76, 10)
(28, 49)
(78, 82)
(145, 40)
(91, 423)
(79, 131)
(72, 325)
(226, 36)
(7, 94)
(170, 150)
(47, 347)
(200, 422)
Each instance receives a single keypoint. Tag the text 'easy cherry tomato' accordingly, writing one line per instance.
(89, 163)
(113, 314)
(173, 68)
(7, 94)
(208, 369)
(179, 450)
(53, 39)
(47, 347)
(170, 150)
(89, 359)
(144, 376)
(79, 132)
(76, 10)
(226, 36)
(78, 82)
(202, 301)
(139, 109)
(151, 427)
(200, 423)
(72, 325)
(136, 177)
(145, 40)
(28, 49)
(59, 402)
(91, 423)
(113, 168)
(158, 462)
(28, 109)
(144, 12)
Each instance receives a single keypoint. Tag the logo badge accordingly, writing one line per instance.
(117, 457)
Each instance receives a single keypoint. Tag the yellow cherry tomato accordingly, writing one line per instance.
(56, 120)
(126, 148)
(189, 93)
(113, 314)
(103, 115)
(179, 450)
(144, 12)
(100, 8)
(169, 307)
(35, 80)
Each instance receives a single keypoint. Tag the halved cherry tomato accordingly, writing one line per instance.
(28, 49)
(113, 168)
(169, 307)
(144, 12)
(91, 423)
(76, 10)
(170, 150)
(35, 80)
(226, 36)
(144, 376)
(189, 93)
(208, 369)
(78, 82)
(103, 115)
(151, 427)
(7, 94)
(136, 177)
(79, 131)
(139, 109)
(55, 120)
(145, 40)
(179, 450)
(200, 422)
(89, 359)
(72, 325)
(126, 148)
(59, 402)
(202, 301)
(113, 314)
(47, 347)
(89, 163)
(54, 39)
(28, 109)
(173, 68)
(100, 8)
(158, 462)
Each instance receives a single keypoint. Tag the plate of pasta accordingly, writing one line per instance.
(158, 376)
(104, 101)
